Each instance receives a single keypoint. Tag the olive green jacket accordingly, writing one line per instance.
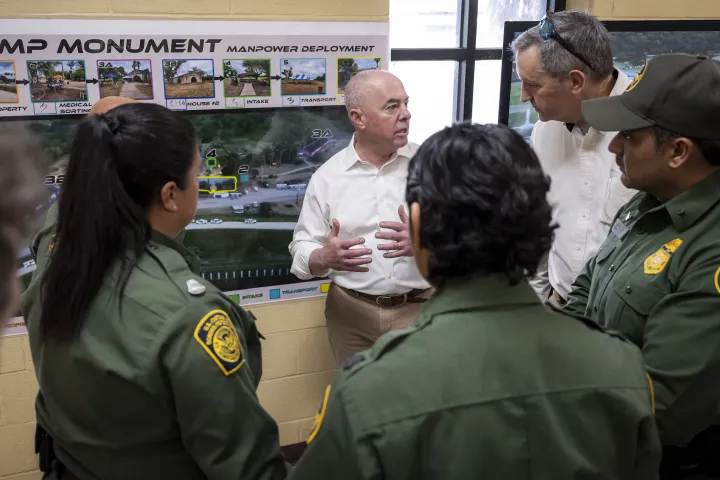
(488, 384)
(165, 390)
(656, 281)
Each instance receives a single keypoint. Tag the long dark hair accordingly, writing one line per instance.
(119, 162)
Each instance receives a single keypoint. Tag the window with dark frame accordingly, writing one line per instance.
(466, 53)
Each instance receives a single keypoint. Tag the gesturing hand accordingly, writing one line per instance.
(400, 238)
(339, 255)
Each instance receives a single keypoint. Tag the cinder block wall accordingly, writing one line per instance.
(298, 363)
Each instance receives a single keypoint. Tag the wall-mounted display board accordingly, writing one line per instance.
(633, 44)
(267, 105)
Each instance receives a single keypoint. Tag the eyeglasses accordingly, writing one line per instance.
(549, 32)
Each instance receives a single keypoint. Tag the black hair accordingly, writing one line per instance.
(710, 149)
(483, 203)
(23, 164)
(119, 162)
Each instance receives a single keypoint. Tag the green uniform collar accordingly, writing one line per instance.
(157, 238)
(478, 293)
(689, 206)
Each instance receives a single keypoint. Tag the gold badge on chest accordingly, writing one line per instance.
(656, 262)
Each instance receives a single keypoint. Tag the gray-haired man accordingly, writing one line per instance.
(564, 60)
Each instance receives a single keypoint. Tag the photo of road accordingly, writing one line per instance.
(57, 80)
(630, 52)
(8, 88)
(126, 78)
(241, 235)
(246, 78)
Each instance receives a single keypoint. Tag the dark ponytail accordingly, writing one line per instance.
(118, 164)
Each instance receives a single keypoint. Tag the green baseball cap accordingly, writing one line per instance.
(677, 92)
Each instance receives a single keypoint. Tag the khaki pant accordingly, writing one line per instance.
(355, 323)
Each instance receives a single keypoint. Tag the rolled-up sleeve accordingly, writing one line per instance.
(311, 231)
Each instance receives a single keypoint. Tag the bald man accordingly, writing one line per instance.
(353, 227)
(108, 103)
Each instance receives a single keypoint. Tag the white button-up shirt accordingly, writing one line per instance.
(359, 196)
(586, 193)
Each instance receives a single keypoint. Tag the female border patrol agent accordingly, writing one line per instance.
(488, 384)
(146, 371)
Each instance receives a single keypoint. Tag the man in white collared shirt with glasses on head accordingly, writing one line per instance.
(564, 60)
(353, 226)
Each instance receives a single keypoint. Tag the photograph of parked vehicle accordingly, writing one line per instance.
(57, 80)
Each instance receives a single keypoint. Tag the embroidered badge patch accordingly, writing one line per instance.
(637, 78)
(51, 246)
(218, 337)
(320, 416)
(656, 262)
(717, 280)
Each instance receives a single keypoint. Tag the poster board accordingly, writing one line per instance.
(266, 99)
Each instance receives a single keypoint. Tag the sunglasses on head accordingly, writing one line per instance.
(549, 32)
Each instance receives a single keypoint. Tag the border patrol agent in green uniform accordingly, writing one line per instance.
(656, 279)
(488, 384)
(154, 377)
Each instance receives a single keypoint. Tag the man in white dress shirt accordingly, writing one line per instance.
(564, 60)
(353, 224)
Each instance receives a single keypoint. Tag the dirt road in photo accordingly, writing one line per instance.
(8, 97)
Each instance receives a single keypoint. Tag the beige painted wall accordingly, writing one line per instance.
(649, 9)
(298, 363)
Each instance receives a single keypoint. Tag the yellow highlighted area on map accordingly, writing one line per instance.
(210, 184)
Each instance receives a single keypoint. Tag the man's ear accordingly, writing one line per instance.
(357, 117)
(167, 196)
(681, 149)
(578, 81)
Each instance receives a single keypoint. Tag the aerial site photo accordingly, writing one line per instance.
(256, 167)
(631, 50)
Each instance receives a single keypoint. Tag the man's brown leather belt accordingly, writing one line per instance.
(389, 301)
(560, 300)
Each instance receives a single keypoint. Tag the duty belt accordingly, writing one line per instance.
(389, 301)
(699, 459)
(48, 462)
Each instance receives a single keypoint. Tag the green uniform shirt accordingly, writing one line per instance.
(655, 280)
(488, 384)
(167, 390)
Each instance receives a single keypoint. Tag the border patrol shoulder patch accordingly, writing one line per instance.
(216, 334)
(320, 416)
